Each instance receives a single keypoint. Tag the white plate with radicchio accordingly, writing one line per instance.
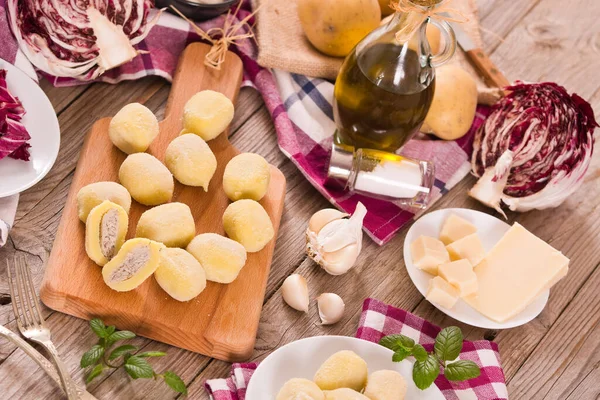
(29, 132)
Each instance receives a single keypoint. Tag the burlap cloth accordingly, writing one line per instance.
(283, 45)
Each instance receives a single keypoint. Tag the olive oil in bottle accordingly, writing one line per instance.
(382, 96)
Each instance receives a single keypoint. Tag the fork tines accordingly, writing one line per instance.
(25, 304)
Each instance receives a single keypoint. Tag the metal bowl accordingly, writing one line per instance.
(196, 11)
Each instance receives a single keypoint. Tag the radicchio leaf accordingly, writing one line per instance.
(534, 149)
(80, 38)
(13, 135)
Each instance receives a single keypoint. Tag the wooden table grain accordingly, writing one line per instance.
(556, 356)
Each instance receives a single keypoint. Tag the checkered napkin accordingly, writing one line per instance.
(379, 319)
(301, 109)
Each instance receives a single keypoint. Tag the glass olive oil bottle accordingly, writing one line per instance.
(386, 84)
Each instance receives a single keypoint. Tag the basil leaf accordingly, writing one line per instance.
(461, 370)
(395, 342)
(400, 354)
(119, 351)
(175, 382)
(151, 354)
(98, 327)
(119, 335)
(94, 373)
(425, 372)
(91, 356)
(138, 368)
(448, 343)
(419, 352)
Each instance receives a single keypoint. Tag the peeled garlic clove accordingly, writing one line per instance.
(324, 217)
(331, 308)
(295, 292)
(340, 262)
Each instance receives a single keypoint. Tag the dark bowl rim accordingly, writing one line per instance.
(205, 6)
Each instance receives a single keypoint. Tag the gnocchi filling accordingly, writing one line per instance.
(109, 233)
(133, 262)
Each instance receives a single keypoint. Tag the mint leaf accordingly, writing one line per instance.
(461, 370)
(94, 373)
(425, 372)
(91, 356)
(138, 368)
(151, 354)
(119, 335)
(395, 342)
(175, 382)
(119, 351)
(110, 330)
(98, 327)
(419, 352)
(448, 343)
(400, 354)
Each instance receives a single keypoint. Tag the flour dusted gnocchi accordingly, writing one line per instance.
(221, 257)
(386, 385)
(93, 194)
(207, 114)
(191, 161)
(344, 369)
(171, 224)
(133, 128)
(180, 274)
(247, 222)
(299, 388)
(148, 181)
(246, 176)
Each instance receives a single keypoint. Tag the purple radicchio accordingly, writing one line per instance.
(13, 135)
(534, 149)
(80, 38)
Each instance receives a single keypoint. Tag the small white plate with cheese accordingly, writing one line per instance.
(490, 230)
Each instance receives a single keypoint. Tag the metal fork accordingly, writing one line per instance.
(30, 321)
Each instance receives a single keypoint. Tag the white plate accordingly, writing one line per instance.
(490, 231)
(302, 359)
(42, 125)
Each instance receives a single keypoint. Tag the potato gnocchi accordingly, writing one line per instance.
(171, 224)
(148, 181)
(105, 231)
(93, 194)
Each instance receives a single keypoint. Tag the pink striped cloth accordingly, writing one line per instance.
(378, 320)
(301, 109)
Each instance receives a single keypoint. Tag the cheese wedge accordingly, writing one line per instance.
(456, 228)
(442, 293)
(428, 253)
(469, 248)
(514, 273)
(460, 275)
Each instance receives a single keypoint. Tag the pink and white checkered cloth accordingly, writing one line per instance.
(301, 109)
(378, 320)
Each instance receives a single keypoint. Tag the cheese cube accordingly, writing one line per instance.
(428, 253)
(469, 248)
(456, 228)
(460, 275)
(441, 293)
(515, 272)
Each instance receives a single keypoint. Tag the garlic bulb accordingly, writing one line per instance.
(295, 292)
(334, 241)
(331, 308)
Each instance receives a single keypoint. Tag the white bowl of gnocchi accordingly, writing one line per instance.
(335, 368)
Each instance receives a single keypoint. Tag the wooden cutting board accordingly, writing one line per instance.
(222, 321)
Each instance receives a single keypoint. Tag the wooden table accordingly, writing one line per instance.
(556, 356)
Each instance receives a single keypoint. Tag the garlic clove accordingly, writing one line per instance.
(324, 217)
(331, 308)
(295, 292)
(341, 261)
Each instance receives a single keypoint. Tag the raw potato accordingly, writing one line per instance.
(191, 161)
(247, 222)
(246, 176)
(171, 224)
(135, 262)
(93, 194)
(344, 394)
(333, 27)
(147, 179)
(299, 388)
(133, 128)
(105, 231)
(180, 274)
(386, 385)
(207, 114)
(454, 103)
(221, 257)
(344, 369)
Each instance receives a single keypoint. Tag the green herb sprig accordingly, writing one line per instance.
(104, 355)
(448, 344)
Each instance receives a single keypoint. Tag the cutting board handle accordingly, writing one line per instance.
(190, 78)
